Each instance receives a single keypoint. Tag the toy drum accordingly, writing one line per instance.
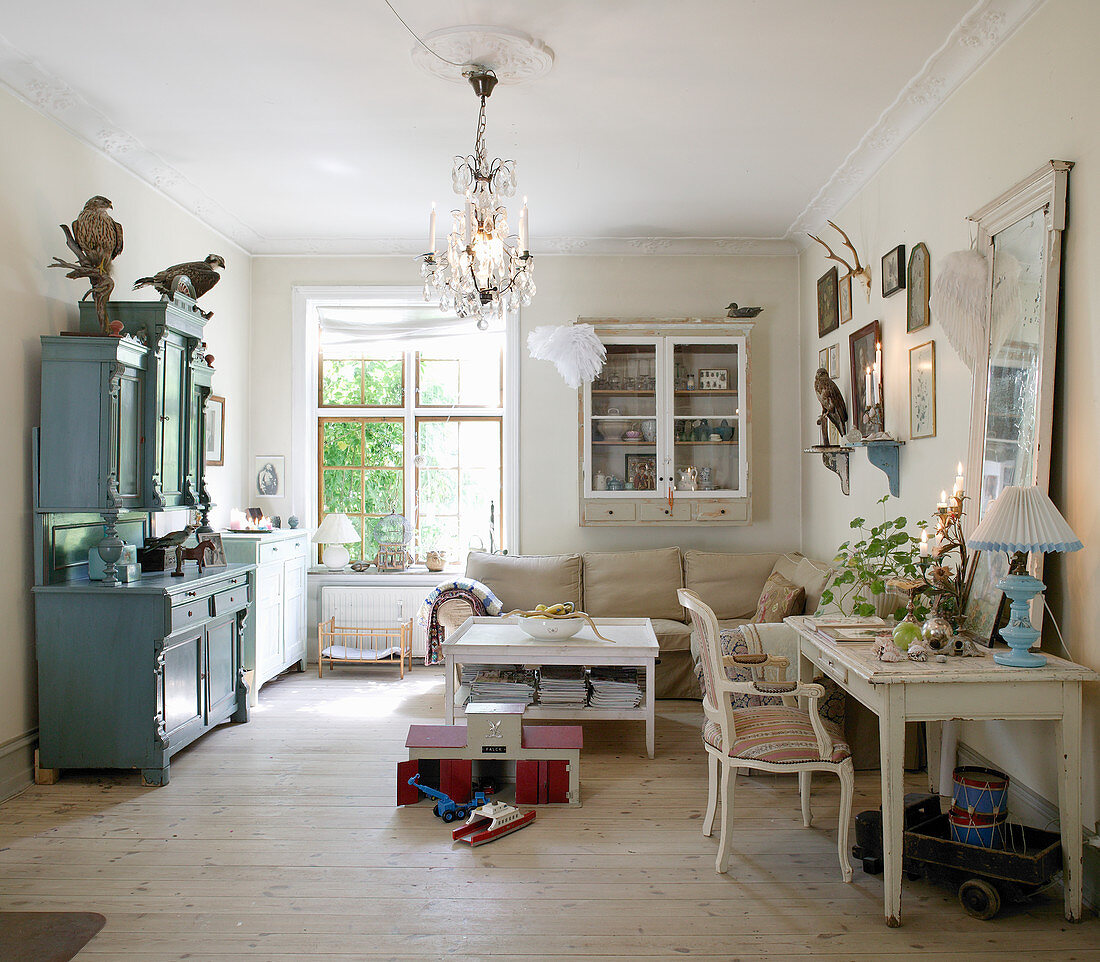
(980, 791)
(985, 831)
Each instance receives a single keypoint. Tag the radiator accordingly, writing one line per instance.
(370, 606)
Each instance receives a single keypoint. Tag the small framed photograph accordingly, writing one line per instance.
(919, 276)
(893, 271)
(833, 366)
(641, 471)
(922, 390)
(845, 299)
(215, 430)
(268, 476)
(823, 358)
(828, 308)
(713, 379)
(215, 558)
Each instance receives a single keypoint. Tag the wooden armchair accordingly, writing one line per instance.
(771, 738)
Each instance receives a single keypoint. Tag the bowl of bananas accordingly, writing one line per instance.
(550, 622)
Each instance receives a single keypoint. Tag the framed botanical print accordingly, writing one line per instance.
(919, 277)
(893, 271)
(828, 309)
(922, 390)
(845, 298)
(215, 430)
(861, 355)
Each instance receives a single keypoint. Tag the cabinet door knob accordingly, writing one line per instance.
(610, 513)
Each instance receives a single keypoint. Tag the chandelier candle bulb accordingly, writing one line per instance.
(524, 242)
(925, 550)
(431, 230)
(959, 481)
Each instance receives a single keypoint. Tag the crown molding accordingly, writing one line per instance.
(984, 28)
(59, 102)
(546, 246)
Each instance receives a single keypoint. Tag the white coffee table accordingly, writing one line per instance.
(500, 641)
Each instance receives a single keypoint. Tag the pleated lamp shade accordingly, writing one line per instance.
(1023, 519)
(335, 529)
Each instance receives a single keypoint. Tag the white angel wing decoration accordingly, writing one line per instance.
(575, 350)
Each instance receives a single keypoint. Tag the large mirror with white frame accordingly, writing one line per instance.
(1020, 234)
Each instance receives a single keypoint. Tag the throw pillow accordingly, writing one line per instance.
(779, 599)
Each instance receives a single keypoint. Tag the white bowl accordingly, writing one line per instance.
(551, 629)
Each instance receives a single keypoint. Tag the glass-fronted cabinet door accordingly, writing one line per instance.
(624, 423)
(706, 378)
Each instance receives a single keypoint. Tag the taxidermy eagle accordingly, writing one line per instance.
(203, 275)
(832, 402)
(98, 234)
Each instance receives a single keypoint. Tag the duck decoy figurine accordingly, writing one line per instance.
(734, 311)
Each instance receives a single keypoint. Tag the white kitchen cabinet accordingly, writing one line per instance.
(275, 637)
(665, 428)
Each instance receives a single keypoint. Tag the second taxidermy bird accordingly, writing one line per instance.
(202, 274)
(832, 401)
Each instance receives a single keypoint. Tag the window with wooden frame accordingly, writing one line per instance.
(434, 454)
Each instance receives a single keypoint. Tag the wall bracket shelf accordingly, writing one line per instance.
(884, 455)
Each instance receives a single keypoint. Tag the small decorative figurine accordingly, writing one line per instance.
(734, 311)
(193, 278)
(688, 478)
(293, 521)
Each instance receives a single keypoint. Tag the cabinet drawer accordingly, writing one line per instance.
(610, 512)
(662, 512)
(720, 511)
(278, 551)
(833, 668)
(232, 600)
(190, 612)
(299, 547)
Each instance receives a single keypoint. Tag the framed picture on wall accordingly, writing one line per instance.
(861, 358)
(215, 430)
(922, 390)
(893, 271)
(268, 476)
(919, 277)
(845, 299)
(823, 358)
(828, 310)
(833, 366)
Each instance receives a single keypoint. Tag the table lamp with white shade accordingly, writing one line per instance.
(1021, 520)
(335, 532)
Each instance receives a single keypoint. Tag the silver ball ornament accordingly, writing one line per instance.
(936, 632)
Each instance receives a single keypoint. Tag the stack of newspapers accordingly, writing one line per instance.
(614, 688)
(503, 683)
(562, 685)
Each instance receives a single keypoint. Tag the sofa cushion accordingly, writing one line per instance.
(779, 599)
(523, 581)
(813, 576)
(633, 584)
(729, 584)
(671, 635)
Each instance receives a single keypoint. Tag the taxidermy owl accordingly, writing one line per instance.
(833, 407)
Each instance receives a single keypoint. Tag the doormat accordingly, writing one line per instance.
(46, 936)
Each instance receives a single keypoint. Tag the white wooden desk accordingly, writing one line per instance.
(500, 641)
(962, 688)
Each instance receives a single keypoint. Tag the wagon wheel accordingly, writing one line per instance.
(980, 899)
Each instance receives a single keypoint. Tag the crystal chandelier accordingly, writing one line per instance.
(484, 271)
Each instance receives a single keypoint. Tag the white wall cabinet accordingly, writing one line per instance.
(664, 430)
(275, 637)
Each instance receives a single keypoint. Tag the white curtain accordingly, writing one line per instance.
(346, 330)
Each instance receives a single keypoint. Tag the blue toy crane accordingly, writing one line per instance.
(445, 807)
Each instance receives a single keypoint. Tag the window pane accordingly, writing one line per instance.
(438, 442)
(343, 491)
(467, 374)
(341, 382)
(341, 443)
(439, 491)
(384, 444)
(384, 381)
(384, 492)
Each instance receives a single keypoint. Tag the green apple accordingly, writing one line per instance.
(906, 633)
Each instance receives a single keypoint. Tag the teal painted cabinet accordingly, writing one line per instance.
(92, 430)
(127, 676)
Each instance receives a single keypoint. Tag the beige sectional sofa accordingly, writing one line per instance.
(643, 584)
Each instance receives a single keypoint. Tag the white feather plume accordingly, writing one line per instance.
(960, 303)
(574, 348)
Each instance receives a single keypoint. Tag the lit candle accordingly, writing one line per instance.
(868, 390)
(959, 481)
(943, 501)
(878, 372)
(431, 230)
(524, 239)
(878, 356)
(924, 549)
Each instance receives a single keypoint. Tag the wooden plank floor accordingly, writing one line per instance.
(279, 840)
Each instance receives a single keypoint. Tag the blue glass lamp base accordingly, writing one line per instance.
(1020, 634)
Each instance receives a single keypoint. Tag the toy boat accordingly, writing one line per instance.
(491, 821)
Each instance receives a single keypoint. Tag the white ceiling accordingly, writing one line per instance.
(662, 126)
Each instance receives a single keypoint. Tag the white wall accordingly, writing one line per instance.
(45, 176)
(569, 287)
(1033, 101)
